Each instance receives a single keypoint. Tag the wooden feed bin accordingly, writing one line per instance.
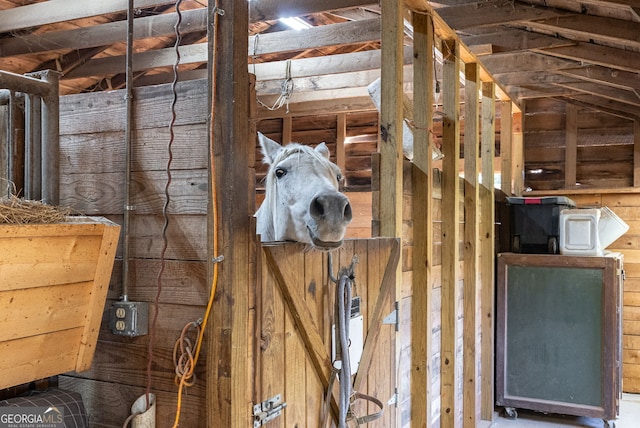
(53, 286)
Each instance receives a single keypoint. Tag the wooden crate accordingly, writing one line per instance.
(53, 285)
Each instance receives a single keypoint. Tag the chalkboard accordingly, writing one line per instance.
(554, 334)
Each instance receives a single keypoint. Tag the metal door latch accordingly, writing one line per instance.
(267, 410)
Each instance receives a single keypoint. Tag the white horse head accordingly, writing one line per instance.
(302, 202)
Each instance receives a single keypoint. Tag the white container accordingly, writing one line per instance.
(579, 232)
(611, 227)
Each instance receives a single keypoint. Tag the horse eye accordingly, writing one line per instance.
(280, 172)
(339, 178)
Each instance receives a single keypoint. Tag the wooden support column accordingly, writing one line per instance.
(487, 261)
(517, 153)
(229, 368)
(506, 150)
(287, 130)
(471, 242)
(390, 143)
(450, 227)
(341, 134)
(571, 146)
(422, 186)
(391, 119)
(636, 153)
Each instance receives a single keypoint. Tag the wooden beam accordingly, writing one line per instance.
(450, 228)
(317, 37)
(506, 149)
(487, 250)
(104, 34)
(471, 243)
(492, 12)
(598, 29)
(332, 64)
(636, 152)
(266, 10)
(326, 35)
(52, 11)
(514, 40)
(229, 381)
(571, 146)
(605, 56)
(422, 201)
(605, 76)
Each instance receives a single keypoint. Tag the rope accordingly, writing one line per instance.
(286, 88)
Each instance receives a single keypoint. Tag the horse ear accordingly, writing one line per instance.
(323, 150)
(269, 147)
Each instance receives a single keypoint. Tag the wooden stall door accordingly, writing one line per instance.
(295, 313)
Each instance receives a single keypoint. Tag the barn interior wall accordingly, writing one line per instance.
(604, 152)
(92, 147)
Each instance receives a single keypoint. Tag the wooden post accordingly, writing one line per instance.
(422, 185)
(518, 154)
(471, 241)
(636, 153)
(390, 140)
(487, 228)
(450, 227)
(287, 130)
(391, 119)
(341, 136)
(571, 146)
(506, 150)
(228, 366)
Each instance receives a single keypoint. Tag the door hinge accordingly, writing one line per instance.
(393, 317)
(267, 410)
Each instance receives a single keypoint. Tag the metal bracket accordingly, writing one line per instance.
(267, 410)
(393, 317)
(393, 401)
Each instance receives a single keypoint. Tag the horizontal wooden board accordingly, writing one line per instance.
(126, 363)
(48, 260)
(104, 152)
(185, 235)
(23, 360)
(106, 111)
(104, 193)
(108, 404)
(33, 311)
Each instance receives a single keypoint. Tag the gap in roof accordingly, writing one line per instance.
(296, 23)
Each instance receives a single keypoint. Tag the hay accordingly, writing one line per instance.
(14, 210)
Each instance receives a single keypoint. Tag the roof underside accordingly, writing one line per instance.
(585, 53)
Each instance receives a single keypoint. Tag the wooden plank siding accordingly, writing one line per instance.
(567, 147)
(626, 205)
(92, 176)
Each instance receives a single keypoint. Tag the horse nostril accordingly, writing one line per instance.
(347, 212)
(317, 207)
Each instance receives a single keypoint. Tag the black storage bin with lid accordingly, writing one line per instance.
(535, 223)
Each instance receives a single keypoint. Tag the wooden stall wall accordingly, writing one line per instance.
(296, 312)
(625, 205)
(565, 145)
(92, 167)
